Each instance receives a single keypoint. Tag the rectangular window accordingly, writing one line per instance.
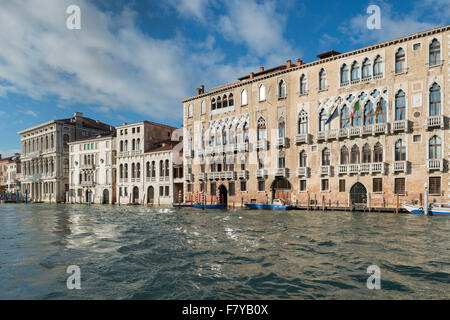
(341, 185)
(126, 192)
(120, 192)
(325, 185)
(399, 187)
(202, 187)
(417, 138)
(167, 191)
(377, 185)
(416, 46)
(213, 188)
(261, 185)
(303, 186)
(435, 186)
(243, 186)
(161, 191)
(231, 187)
(189, 187)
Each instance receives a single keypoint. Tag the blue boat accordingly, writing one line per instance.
(277, 205)
(436, 209)
(209, 206)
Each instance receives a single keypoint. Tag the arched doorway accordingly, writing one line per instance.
(223, 195)
(87, 196)
(150, 195)
(106, 196)
(135, 195)
(358, 194)
(281, 189)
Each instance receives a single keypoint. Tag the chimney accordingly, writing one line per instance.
(198, 91)
(0, 156)
(202, 89)
(299, 62)
(288, 64)
(77, 114)
(261, 69)
(251, 75)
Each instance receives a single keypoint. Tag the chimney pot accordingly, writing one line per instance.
(202, 89)
(288, 64)
(252, 75)
(299, 62)
(261, 69)
(198, 91)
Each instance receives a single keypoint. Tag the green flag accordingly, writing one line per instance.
(356, 107)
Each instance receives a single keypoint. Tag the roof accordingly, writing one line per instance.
(163, 146)
(148, 122)
(98, 137)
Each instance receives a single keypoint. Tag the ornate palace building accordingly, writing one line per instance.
(45, 155)
(355, 128)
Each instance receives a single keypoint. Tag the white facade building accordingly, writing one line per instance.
(93, 170)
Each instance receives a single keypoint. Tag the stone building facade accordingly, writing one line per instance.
(13, 174)
(93, 170)
(267, 136)
(145, 164)
(45, 155)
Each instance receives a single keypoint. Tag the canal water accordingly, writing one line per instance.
(133, 252)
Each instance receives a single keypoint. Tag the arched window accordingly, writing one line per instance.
(281, 161)
(147, 170)
(366, 69)
(368, 113)
(125, 145)
(345, 117)
(133, 145)
(262, 129)
(46, 142)
(138, 170)
(232, 139)
(322, 79)
(203, 107)
(303, 84)
(126, 170)
(121, 171)
(357, 118)
(167, 168)
(378, 153)
(213, 104)
(322, 120)
(153, 169)
(381, 112)
(400, 150)
(219, 103)
(355, 156)
(326, 157)
(435, 53)
(344, 155)
(161, 168)
(244, 101)
(281, 128)
(246, 132)
(230, 100)
(121, 145)
(435, 148)
(262, 93)
(66, 140)
(303, 123)
(138, 144)
(282, 89)
(224, 136)
(355, 71)
(303, 159)
(400, 106)
(224, 101)
(260, 160)
(367, 154)
(344, 74)
(190, 111)
(133, 171)
(435, 100)
(378, 66)
(400, 61)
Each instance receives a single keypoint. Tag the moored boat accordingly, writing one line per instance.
(183, 205)
(277, 204)
(435, 209)
(209, 206)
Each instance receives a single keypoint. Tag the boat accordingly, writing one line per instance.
(277, 204)
(435, 209)
(209, 206)
(183, 205)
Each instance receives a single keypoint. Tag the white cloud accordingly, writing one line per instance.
(191, 8)
(31, 113)
(8, 153)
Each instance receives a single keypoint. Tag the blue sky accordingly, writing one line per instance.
(136, 60)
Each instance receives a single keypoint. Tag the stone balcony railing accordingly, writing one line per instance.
(400, 166)
(347, 169)
(230, 148)
(303, 138)
(189, 177)
(229, 175)
(87, 183)
(242, 174)
(435, 122)
(327, 135)
(202, 176)
(242, 147)
(261, 173)
(87, 166)
(262, 144)
(281, 172)
(303, 172)
(209, 151)
(325, 170)
(435, 165)
(201, 153)
(282, 142)
(400, 125)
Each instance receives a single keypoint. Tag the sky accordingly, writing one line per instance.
(136, 60)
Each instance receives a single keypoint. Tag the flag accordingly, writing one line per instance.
(356, 107)
(335, 114)
(379, 108)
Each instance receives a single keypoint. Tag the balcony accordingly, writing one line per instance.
(242, 147)
(365, 168)
(202, 176)
(343, 133)
(201, 153)
(400, 125)
(435, 122)
(210, 176)
(282, 142)
(87, 166)
(230, 148)
(261, 173)
(325, 170)
(378, 167)
(229, 175)
(401, 166)
(343, 169)
(355, 132)
(321, 136)
(219, 149)
(242, 174)
(33, 155)
(189, 154)
(303, 138)
(353, 168)
(380, 128)
(87, 183)
(262, 144)
(368, 129)
(209, 151)
(123, 154)
(135, 152)
(303, 172)
(435, 165)
(189, 177)
(281, 172)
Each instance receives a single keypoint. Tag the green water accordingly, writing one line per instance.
(165, 253)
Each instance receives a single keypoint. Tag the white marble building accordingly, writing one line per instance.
(93, 170)
(13, 174)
